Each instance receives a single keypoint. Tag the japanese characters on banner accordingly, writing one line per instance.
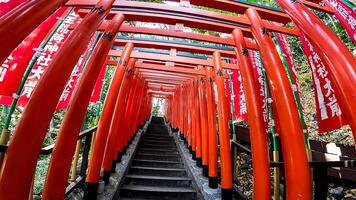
(43, 61)
(286, 50)
(69, 88)
(327, 106)
(95, 96)
(260, 77)
(12, 70)
(8, 5)
(228, 96)
(346, 16)
(240, 106)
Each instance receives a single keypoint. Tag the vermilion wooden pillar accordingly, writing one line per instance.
(185, 118)
(116, 137)
(17, 24)
(294, 152)
(225, 153)
(175, 115)
(193, 117)
(258, 132)
(341, 62)
(203, 123)
(58, 171)
(18, 168)
(189, 112)
(198, 133)
(105, 120)
(183, 110)
(126, 121)
(139, 103)
(211, 115)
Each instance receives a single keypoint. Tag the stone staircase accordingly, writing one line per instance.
(157, 170)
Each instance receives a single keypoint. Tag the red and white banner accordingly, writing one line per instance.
(259, 76)
(327, 107)
(8, 5)
(12, 70)
(240, 106)
(346, 17)
(43, 61)
(69, 88)
(95, 96)
(228, 95)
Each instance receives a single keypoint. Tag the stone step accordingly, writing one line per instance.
(158, 163)
(165, 157)
(151, 192)
(157, 171)
(165, 181)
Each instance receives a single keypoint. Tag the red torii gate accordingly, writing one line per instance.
(16, 25)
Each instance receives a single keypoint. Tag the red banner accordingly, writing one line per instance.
(12, 70)
(346, 17)
(69, 88)
(240, 106)
(95, 96)
(228, 96)
(8, 5)
(260, 77)
(327, 107)
(43, 61)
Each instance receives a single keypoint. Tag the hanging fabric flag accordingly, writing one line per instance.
(69, 88)
(43, 61)
(95, 96)
(327, 107)
(8, 5)
(283, 42)
(260, 77)
(12, 70)
(228, 95)
(345, 15)
(240, 106)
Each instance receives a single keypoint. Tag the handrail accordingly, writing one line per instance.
(319, 173)
(48, 149)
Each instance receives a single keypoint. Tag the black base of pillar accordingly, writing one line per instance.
(124, 151)
(213, 182)
(182, 136)
(119, 157)
(199, 162)
(91, 191)
(205, 170)
(106, 177)
(193, 155)
(226, 194)
(113, 166)
(190, 150)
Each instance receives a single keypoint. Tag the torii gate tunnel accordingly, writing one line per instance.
(186, 80)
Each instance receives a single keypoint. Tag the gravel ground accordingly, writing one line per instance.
(243, 174)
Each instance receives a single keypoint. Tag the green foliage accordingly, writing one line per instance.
(155, 111)
(40, 174)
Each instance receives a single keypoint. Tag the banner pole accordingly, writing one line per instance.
(296, 97)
